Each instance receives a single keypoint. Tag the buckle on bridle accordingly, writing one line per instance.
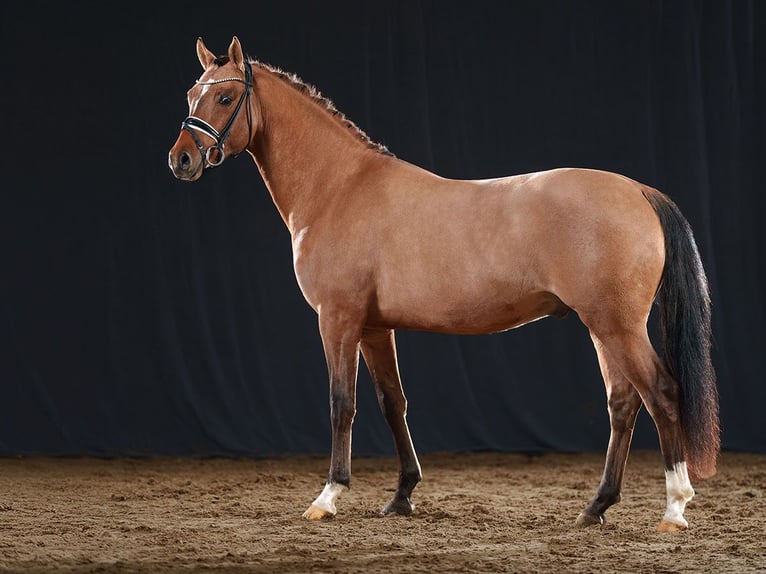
(221, 157)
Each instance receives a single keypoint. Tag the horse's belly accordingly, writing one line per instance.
(448, 313)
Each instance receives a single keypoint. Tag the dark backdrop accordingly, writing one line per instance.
(142, 315)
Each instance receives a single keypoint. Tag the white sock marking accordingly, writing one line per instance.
(331, 492)
(679, 491)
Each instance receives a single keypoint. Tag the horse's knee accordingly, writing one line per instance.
(392, 406)
(342, 410)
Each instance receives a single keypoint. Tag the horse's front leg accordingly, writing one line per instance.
(341, 335)
(379, 352)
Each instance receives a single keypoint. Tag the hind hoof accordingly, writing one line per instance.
(584, 520)
(667, 526)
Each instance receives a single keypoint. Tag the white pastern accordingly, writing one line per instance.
(331, 492)
(680, 491)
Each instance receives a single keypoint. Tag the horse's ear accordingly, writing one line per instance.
(235, 54)
(205, 56)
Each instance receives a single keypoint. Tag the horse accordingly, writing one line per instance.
(380, 244)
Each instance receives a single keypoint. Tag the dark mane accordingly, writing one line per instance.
(326, 103)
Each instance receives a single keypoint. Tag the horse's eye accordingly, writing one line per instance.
(224, 100)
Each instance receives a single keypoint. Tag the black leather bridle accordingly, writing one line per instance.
(193, 124)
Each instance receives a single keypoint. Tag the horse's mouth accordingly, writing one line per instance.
(194, 176)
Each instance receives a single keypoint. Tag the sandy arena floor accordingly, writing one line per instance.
(475, 513)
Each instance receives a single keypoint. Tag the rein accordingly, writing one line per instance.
(193, 124)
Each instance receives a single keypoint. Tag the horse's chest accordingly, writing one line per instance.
(325, 269)
(304, 273)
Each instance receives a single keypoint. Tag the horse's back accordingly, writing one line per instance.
(562, 225)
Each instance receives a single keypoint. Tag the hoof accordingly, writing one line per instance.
(316, 513)
(584, 520)
(401, 506)
(667, 526)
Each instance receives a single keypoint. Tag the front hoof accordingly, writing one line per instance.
(402, 506)
(316, 513)
(667, 526)
(584, 520)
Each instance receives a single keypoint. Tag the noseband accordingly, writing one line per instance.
(193, 124)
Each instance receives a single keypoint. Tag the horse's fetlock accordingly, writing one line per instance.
(410, 479)
(608, 496)
(342, 479)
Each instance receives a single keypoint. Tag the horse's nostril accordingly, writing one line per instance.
(185, 160)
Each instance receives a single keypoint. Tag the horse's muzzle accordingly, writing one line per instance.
(185, 162)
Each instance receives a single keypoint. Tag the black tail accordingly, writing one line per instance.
(684, 301)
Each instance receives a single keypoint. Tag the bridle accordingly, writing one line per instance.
(194, 124)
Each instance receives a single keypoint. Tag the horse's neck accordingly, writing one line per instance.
(303, 152)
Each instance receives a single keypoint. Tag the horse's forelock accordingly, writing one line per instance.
(221, 60)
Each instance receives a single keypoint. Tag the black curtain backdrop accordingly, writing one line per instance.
(140, 315)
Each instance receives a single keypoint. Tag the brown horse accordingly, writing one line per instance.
(380, 244)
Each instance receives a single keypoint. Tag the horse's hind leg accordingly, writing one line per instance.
(632, 353)
(379, 352)
(623, 402)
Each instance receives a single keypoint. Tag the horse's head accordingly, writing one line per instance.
(221, 120)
